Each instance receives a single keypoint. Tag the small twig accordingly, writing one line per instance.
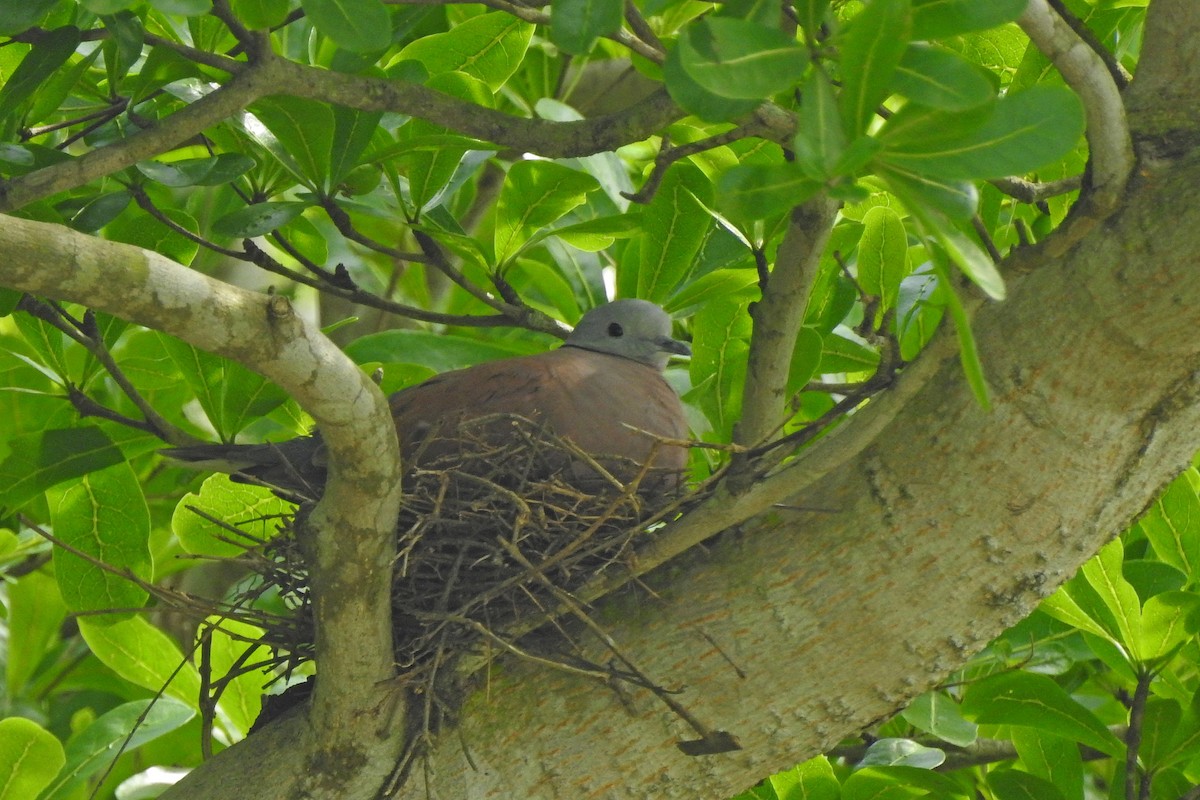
(1030, 192)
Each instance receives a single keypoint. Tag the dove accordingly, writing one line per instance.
(603, 391)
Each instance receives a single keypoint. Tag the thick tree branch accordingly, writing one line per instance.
(1109, 142)
(350, 534)
(1164, 98)
(1096, 407)
(778, 317)
(274, 75)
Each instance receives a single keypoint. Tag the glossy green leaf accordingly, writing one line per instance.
(260, 14)
(882, 255)
(1160, 731)
(35, 614)
(839, 354)
(352, 132)
(127, 726)
(197, 171)
(720, 283)
(593, 235)
(104, 516)
(100, 211)
(576, 24)
(810, 780)
(1104, 574)
(1012, 784)
(897, 783)
(257, 219)
(17, 17)
(535, 194)
(674, 225)
(893, 752)
(362, 26)
(254, 511)
(1035, 701)
(432, 154)
(697, 100)
(489, 47)
(185, 8)
(241, 697)
(30, 758)
(1167, 621)
(142, 654)
(1173, 526)
(50, 53)
(940, 78)
(819, 141)
(873, 44)
(806, 359)
(755, 191)
(435, 351)
(958, 200)
(1051, 758)
(133, 229)
(37, 461)
(304, 130)
(1024, 131)
(740, 59)
(720, 346)
(938, 19)
(935, 713)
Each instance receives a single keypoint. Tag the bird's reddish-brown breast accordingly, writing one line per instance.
(592, 399)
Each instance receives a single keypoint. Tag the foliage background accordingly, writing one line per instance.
(441, 237)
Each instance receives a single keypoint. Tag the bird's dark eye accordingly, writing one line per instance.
(615, 330)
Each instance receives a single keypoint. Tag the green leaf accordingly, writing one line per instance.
(352, 134)
(811, 780)
(363, 26)
(254, 510)
(958, 200)
(839, 354)
(892, 752)
(185, 8)
(938, 19)
(1052, 758)
(130, 726)
(37, 461)
(142, 654)
(18, 17)
(740, 59)
(1012, 784)
(755, 191)
(35, 614)
(674, 225)
(819, 141)
(134, 229)
(534, 195)
(241, 697)
(30, 757)
(936, 713)
(1160, 728)
(882, 255)
(1024, 131)
(697, 100)
(197, 171)
(100, 211)
(593, 235)
(489, 47)
(940, 78)
(1172, 525)
(257, 219)
(50, 53)
(305, 132)
(720, 346)
(434, 351)
(576, 24)
(1103, 573)
(1168, 620)
(719, 283)
(1035, 701)
(260, 14)
(105, 516)
(874, 42)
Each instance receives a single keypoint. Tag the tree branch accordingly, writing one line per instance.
(350, 533)
(778, 317)
(1109, 141)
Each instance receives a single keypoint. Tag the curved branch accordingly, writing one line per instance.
(1109, 140)
(273, 75)
(350, 533)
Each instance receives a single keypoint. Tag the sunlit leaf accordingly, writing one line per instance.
(740, 59)
(363, 26)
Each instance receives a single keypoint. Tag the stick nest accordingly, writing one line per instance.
(492, 539)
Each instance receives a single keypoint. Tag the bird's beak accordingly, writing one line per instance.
(668, 345)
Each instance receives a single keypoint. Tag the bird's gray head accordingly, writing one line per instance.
(633, 329)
